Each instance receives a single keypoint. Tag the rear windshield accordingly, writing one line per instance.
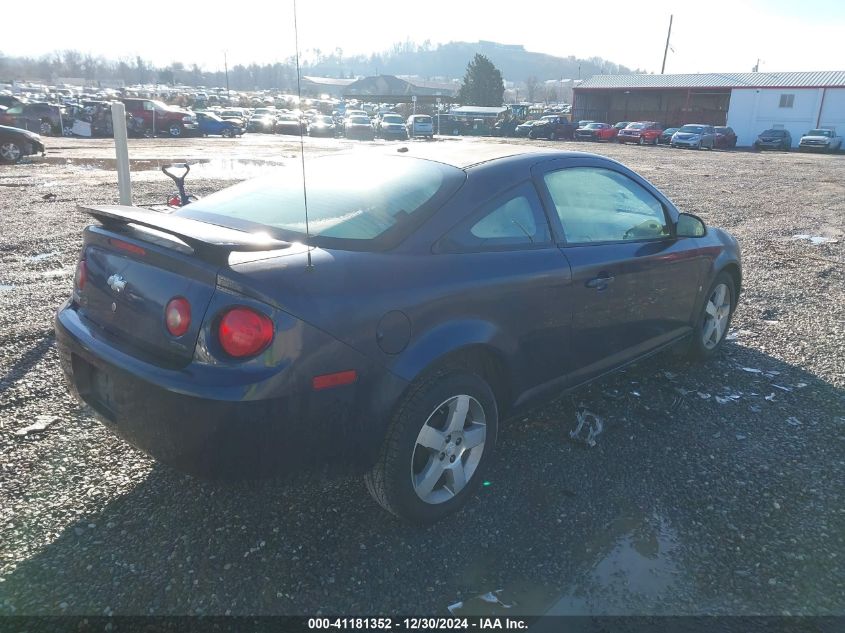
(352, 203)
(423, 119)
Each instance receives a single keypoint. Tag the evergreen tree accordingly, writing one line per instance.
(483, 85)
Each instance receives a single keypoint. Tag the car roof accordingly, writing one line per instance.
(464, 157)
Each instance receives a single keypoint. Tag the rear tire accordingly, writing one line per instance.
(450, 410)
(714, 320)
(175, 130)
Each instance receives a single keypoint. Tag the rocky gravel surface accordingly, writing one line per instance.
(712, 488)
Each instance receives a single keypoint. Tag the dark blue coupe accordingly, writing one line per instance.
(431, 300)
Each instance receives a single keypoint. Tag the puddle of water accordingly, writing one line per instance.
(815, 240)
(631, 567)
(642, 559)
(214, 168)
(34, 259)
(54, 274)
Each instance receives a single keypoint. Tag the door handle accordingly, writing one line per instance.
(601, 282)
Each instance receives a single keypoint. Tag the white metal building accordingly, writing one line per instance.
(747, 102)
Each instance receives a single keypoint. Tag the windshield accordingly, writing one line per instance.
(595, 126)
(827, 133)
(635, 126)
(692, 129)
(773, 133)
(348, 199)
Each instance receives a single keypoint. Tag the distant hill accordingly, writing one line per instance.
(450, 61)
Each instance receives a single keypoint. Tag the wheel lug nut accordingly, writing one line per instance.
(452, 459)
(442, 455)
(458, 441)
(448, 438)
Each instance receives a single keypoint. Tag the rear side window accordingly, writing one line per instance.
(601, 205)
(514, 220)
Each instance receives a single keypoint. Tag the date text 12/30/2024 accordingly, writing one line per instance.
(417, 624)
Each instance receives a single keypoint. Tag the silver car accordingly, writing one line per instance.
(695, 135)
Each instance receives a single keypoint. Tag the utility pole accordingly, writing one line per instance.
(666, 50)
(226, 68)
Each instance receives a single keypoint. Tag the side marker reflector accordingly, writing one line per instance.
(338, 379)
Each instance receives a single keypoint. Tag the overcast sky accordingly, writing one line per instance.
(729, 36)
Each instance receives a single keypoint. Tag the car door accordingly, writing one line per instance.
(634, 284)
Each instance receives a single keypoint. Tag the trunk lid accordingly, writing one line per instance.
(139, 260)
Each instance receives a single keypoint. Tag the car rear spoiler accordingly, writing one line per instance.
(209, 242)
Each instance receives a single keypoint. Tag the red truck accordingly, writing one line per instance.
(641, 132)
(159, 117)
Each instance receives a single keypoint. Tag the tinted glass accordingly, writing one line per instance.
(600, 205)
(692, 129)
(513, 220)
(348, 198)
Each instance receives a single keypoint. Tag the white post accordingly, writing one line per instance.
(121, 148)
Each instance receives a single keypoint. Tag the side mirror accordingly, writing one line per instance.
(689, 225)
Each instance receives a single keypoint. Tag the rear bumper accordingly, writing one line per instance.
(180, 418)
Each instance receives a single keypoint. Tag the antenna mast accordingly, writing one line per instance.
(309, 266)
(666, 50)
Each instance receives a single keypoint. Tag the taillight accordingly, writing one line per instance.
(244, 332)
(80, 277)
(177, 316)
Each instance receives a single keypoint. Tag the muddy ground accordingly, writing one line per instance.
(713, 488)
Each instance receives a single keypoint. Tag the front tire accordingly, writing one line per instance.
(46, 128)
(175, 130)
(10, 152)
(715, 318)
(438, 445)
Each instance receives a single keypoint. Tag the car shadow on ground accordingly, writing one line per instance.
(711, 488)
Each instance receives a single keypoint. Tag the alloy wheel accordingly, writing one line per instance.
(10, 152)
(448, 449)
(717, 314)
(45, 129)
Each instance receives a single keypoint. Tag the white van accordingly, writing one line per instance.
(420, 125)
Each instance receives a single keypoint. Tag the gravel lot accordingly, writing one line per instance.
(713, 488)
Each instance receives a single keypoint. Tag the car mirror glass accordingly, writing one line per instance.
(690, 226)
